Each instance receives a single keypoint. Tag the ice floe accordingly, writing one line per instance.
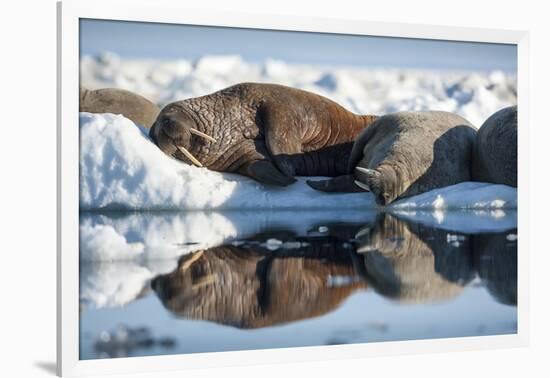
(120, 168)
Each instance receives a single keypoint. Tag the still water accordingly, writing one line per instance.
(170, 283)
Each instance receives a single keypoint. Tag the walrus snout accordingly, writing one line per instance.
(172, 133)
(161, 289)
(174, 127)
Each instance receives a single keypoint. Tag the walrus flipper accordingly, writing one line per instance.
(281, 141)
(265, 172)
(340, 184)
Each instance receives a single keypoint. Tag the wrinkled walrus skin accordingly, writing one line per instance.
(268, 132)
(119, 101)
(495, 157)
(408, 153)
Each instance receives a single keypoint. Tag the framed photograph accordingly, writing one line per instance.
(239, 189)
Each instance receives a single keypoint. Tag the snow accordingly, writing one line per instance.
(465, 195)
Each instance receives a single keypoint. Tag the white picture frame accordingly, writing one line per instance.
(69, 13)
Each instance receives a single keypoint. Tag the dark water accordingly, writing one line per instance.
(207, 282)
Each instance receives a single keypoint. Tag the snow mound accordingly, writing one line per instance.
(120, 168)
(465, 195)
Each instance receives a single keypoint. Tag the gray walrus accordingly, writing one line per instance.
(411, 263)
(265, 131)
(119, 101)
(496, 262)
(407, 153)
(495, 155)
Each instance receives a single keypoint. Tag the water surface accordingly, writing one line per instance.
(170, 283)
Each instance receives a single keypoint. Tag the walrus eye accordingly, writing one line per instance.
(201, 134)
(189, 155)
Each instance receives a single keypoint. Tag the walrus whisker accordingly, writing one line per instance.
(189, 155)
(201, 134)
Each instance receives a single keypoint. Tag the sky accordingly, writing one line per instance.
(169, 41)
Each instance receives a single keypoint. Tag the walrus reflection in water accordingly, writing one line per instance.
(496, 261)
(268, 132)
(412, 263)
(251, 287)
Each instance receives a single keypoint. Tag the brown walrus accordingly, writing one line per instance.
(119, 101)
(407, 153)
(265, 131)
(495, 157)
(250, 287)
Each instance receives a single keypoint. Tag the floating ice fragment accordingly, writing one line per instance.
(497, 203)
(439, 202)
(498, 213)
(273, 244)
(439, 216)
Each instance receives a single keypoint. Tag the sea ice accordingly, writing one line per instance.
(120, 168)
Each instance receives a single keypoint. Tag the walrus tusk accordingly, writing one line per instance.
(201, 134)
(187, 264)
(203, 281)
(189, 155)
(362, 186)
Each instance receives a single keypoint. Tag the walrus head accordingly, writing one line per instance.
(173, 133)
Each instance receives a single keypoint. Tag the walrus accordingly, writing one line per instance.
(410, 263)
(119, 101)
(407, 153)
(495, 154)
(268, 132)
(496, 262)
(251, 287)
